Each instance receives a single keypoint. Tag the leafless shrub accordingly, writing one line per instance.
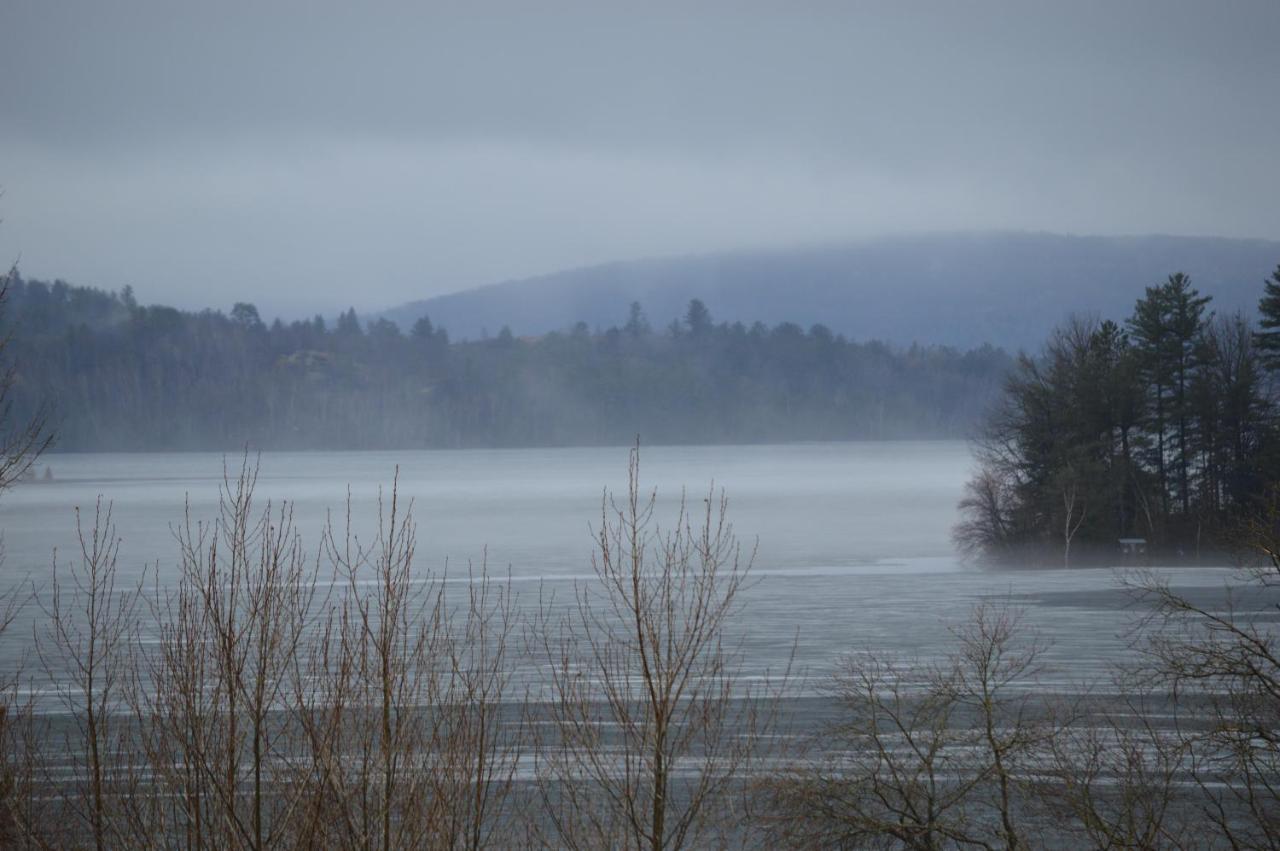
(650, 729)
(220, 730)
(407, 741)
(925, 756)
(263, 705)
(1118, 777)
(1222, 661)
(19, 805)
(986, 524)
(89, 628)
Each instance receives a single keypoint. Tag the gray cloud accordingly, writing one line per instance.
(311, 155)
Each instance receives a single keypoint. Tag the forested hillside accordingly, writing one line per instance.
(1007, 289)
(118, 375)
(1161, 427)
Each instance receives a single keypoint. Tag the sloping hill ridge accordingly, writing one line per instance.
(955, 289)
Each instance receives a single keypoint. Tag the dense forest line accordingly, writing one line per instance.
(116, 375)
(1163, 429)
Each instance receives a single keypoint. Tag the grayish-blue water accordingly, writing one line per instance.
(854, 538)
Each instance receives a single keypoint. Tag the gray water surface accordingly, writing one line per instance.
(854, 546)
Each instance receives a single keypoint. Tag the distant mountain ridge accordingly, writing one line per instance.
(964, 289)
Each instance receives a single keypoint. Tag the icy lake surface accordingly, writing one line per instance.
(854, 547)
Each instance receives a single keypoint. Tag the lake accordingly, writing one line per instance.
(854, 547)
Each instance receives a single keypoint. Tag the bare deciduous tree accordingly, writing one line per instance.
(1220, 659)
(651, 728)
(90, 626)
(408, 743)
(215, 698)
(265, 706)
(1071, 522)
(985, 525)
(929, 756)
(1118, 776)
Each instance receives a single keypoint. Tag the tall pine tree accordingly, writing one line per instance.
(1165, 327)
(1268, 339)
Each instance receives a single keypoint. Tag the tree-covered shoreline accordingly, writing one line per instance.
(1162, 430)
(120, 376)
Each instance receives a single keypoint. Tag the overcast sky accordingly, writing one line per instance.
(313, 155)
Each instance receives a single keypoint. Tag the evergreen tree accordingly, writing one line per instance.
(697, 318)
(637, 323)
(1163, 433)
(1186, 322)
(1148, 328)
(349, 324)
(1268, 339)
(423, 329)
(1165, 326)
(245, 315)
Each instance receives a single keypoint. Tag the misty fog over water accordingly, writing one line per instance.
(854, 549)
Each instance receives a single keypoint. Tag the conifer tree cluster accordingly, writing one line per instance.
(1162, 429)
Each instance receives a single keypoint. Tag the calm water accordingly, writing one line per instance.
(853, 539)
